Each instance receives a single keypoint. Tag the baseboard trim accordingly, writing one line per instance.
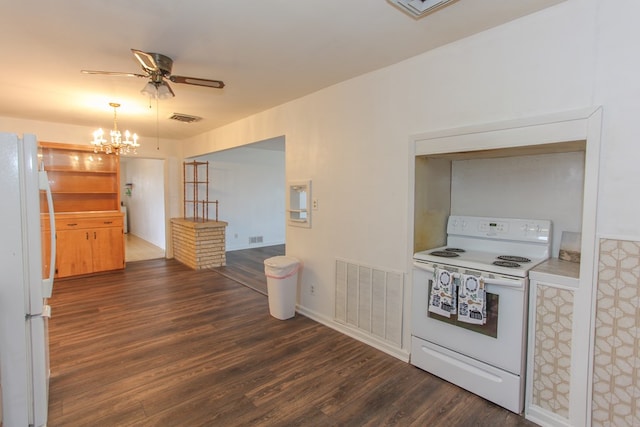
(398, 353)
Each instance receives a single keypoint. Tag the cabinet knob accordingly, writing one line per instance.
(108, 222)
(72, 224)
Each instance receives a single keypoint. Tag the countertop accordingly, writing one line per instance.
(557, 271)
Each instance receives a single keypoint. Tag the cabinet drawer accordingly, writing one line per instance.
(77, 223)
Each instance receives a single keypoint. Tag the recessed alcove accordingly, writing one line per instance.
(548, 157)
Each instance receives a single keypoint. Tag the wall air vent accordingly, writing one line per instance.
(419, 8)
(185, 118)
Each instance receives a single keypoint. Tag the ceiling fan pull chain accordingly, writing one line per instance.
(157, 125)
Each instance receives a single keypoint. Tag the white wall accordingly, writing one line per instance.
(351, 139)
(547, 186)
(618, 89)
(249, 184)
(145, 206)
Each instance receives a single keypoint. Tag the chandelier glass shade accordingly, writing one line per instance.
(115, 144)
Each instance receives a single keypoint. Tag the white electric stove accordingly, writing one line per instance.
(486, 357)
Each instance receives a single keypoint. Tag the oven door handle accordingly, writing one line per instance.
(497, 281)
(501, 281)
(425, 267)
(430, 268)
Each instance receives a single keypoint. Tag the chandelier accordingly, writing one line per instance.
(115, 145)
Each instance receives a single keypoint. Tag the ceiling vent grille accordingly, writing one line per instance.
(419, 8)
(184, 118)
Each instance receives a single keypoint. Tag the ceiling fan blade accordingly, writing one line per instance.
(113, 73)
(146, 60)
(218, 84)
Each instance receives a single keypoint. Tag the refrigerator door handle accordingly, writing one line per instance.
(47, 283)
(46, 313)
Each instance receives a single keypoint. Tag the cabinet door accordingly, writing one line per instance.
(108, 248)
(73, 253)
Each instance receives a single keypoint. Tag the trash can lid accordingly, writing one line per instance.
(281, 261)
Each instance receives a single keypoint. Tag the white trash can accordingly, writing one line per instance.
(282, 284)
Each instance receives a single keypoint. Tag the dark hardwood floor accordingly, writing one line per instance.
(247, 266)
(162, 345)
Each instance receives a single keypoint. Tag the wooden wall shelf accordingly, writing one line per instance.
(80, 179)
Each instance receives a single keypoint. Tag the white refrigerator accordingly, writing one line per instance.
(24, 353)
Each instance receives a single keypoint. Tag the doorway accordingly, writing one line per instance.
(142, 183)
(249, 184)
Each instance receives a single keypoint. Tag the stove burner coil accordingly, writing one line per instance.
(514, 258)
(509, 264)
(455, 250)
(444, 254)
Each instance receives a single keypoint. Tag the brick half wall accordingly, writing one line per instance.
(199, 245)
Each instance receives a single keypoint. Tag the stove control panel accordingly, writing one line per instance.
(493, 227)
(533, 230)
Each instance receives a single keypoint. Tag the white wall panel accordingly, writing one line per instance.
(145, 206)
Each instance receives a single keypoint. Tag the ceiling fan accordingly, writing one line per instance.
(158, 68)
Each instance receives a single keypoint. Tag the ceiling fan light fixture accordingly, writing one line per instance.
(160, 90)
(419, 8)
(149, 90)
(164, 91)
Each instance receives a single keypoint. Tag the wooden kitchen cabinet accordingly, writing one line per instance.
(87, 242)
(85, 187)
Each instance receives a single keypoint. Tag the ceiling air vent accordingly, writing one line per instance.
(419, 8)
(185, 118)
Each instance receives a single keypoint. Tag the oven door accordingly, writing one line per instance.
(499, 343)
